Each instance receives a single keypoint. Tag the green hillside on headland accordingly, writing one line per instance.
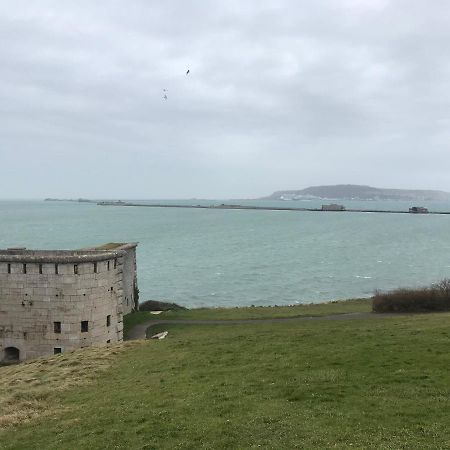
(355, 191)
(359, 383)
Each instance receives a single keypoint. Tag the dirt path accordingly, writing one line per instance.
(139, 331)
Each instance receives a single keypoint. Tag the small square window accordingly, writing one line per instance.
(24, 268)
(56, 269)
(95, 267)
(57, 350)
(9, 268)
(108, 341)
(108, 321)
(84, 326)
(57, 327)
(75, 269)
(40, 269)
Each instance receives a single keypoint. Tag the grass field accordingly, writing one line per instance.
(258, 312)
(379, 384)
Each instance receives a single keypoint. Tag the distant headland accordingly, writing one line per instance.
(359, 192)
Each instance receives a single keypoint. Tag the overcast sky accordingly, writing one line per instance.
(280, 95)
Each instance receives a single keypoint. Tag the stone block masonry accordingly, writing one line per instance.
(61, 300)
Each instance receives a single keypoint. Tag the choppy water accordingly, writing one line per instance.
(226, 258)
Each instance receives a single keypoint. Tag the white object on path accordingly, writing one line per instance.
(156, 312)
(160, 335)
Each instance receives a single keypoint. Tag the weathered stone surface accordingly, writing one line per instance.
(39, 288)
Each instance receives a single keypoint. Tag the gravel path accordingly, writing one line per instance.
(139, 331)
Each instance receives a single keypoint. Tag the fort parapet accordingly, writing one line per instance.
(52, 301)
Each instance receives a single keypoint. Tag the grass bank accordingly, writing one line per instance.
(257, 312)
(27, 390)
(377, 384)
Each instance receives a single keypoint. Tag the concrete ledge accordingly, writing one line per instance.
(60, 256)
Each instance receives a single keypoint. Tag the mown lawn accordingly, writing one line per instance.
(257, 312)
(379, 384)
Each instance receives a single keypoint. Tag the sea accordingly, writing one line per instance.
(228, 258)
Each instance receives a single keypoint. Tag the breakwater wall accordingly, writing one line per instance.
(264, 208)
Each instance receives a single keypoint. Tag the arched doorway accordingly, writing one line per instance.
(11, 354)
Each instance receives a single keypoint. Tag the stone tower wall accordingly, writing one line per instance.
(129, 280)
(39, 290)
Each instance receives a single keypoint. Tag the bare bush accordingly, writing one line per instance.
(426, 299)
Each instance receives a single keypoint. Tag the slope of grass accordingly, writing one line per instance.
(378, 384)
(258, 312)
(26, 389)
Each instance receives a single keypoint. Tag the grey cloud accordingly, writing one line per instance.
(280, 95)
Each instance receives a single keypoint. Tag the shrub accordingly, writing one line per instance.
(153, 305)
(426, 299)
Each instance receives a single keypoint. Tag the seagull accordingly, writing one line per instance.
(165, 97)
(187, 73)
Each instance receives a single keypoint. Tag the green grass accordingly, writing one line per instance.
(257, 312)
(369, 383)
(25, 388)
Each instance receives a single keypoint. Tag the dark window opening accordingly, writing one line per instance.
(57, 327)
(57, 350)
(9, 268)
(40, 269)
(107, 265)
(95, 267)
(115, 263)
(108, 321)
(128, 302)
(108, 341)
(75, 269)
(112, 288)
(84, 326)
(56, 269)
(24, 268)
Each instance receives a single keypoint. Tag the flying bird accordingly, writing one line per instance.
(187, 73)
(165, 97)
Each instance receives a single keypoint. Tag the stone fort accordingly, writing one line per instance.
(57, 301)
